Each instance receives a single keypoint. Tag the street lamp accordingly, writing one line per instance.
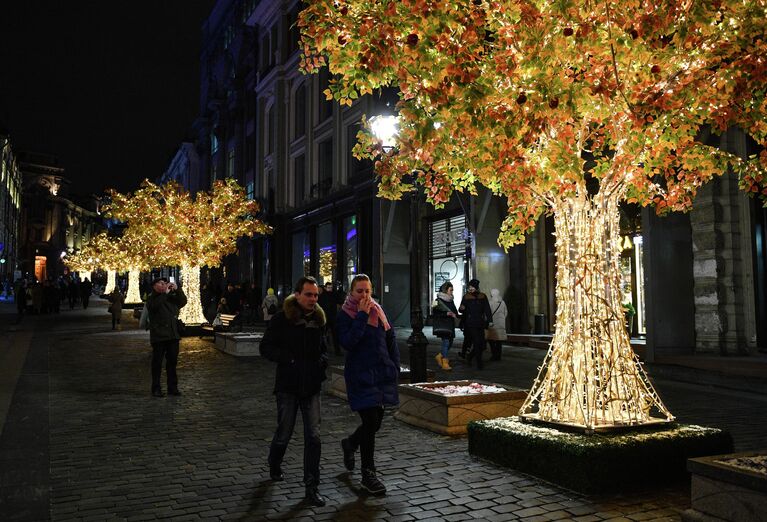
(385, 128)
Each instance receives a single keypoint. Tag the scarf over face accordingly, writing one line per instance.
(376, 312)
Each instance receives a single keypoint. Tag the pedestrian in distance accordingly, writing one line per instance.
(445, 313)
(163, 307)
(270, 305)
(496, 332)
(20, 296)
(295, 340)
(86, 288)
(371, 373)
(116, 300)
(329, 301)
(477, 316)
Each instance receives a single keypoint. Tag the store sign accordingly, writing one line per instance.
(452, 236)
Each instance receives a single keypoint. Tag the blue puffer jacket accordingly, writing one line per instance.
(372, 362)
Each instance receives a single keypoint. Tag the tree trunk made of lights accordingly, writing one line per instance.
(591, 377)
(134, 293)
(111, 281)
(192, 312)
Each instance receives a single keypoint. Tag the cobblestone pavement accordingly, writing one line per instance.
(102, 449)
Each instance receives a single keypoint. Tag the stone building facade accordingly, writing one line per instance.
(10, 209)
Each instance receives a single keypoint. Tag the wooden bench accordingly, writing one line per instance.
(226, 320)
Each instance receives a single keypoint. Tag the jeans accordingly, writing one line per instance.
(364, 436)
(167, 350)
(288, 405)
(447, 342)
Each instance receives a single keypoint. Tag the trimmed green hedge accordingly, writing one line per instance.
(598, 463)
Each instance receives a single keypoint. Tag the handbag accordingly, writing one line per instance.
(443, 325)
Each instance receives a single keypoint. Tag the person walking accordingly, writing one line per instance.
(270, 305)
(477, 316)
(496, 332)
(20, 296)
(444, 316)
(86, 288)
(116, 300)
(163, 306)
(294, 340)
(371, 373)
(329, 302)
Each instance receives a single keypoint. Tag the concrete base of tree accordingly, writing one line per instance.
(641, 458)
(449, 414)
(338, 384)
(728, 487)
(239, 344)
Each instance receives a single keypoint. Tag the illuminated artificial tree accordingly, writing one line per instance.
(566, 109)
(103, 252)
(173, 228)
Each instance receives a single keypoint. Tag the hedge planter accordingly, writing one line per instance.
(728, 487)
(598, 463)
(424, 406)
(338, 384)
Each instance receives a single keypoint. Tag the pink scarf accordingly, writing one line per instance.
(376, 312)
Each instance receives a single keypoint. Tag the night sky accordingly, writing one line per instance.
(110, 88)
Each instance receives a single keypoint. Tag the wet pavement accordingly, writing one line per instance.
(83, 439)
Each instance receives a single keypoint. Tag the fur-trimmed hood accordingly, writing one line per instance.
(294, 313)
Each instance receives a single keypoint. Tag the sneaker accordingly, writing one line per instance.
(371, 483)
(348, 449)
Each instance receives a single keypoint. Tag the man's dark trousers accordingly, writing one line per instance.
(288, 405)
(169, 351)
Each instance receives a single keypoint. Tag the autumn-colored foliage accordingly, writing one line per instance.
(542, 101)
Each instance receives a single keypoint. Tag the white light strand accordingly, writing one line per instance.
(192, 313)
(111, 281)
(134, 294)
(590, 377)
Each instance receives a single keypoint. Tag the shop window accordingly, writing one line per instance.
(326, 253)
(301, 256)
(448, 241)
(351, 258)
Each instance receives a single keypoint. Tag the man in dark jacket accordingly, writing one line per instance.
(163, 306)
(294, 340)
(86, 287)
(477, 316)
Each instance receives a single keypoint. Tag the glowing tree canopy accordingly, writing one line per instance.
(566, 108)
(101, 251)
(172, 228)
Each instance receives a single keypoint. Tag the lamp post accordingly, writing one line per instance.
(385, 129)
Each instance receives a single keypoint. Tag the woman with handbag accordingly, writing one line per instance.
(444, 315)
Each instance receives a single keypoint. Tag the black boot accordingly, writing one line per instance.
(348, 448)
(275, 462)
(313, 496)
(371, 483)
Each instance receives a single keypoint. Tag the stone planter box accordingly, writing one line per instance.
(239, 344)
(449, 415)
(723, 488)
(338, 384)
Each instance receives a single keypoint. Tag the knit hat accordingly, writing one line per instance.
(474, 283)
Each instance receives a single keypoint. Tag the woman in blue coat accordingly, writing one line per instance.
(371, 373)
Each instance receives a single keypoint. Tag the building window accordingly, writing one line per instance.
(300, 111)
(325, 160)
(230, 163)
(213, 143)
(270, 131)
(300, 177)
(325, 105)
(250, 190)
(294, 34)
